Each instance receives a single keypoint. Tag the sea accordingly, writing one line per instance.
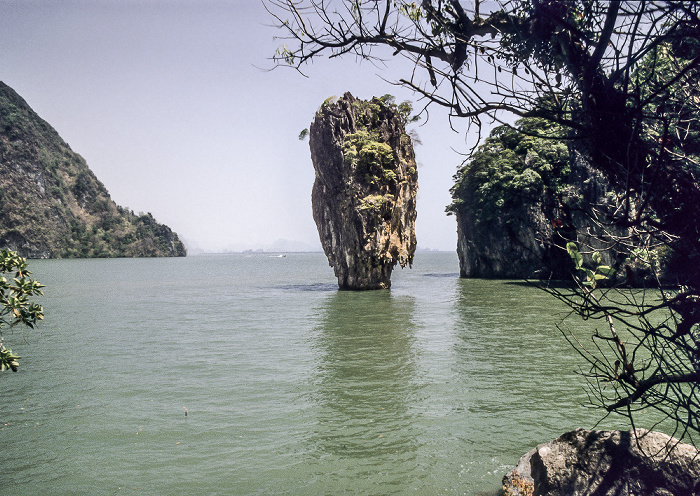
(252, 374)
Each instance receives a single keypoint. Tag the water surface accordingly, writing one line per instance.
(290, 386)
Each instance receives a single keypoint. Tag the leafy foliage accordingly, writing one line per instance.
(374, 203)
(404, 109)
(16, 307)
(372, 159)
(515, 167)
(589, 277)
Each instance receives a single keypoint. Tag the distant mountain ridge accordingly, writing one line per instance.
(53, 206)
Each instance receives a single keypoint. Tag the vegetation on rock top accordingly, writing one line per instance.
(515, 167)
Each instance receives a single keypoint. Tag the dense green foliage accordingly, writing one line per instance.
(371, 158)
(368, 152)
(52, 205)
(515, 167)
(16, 308)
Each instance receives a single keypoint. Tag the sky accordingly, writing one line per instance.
(175, 108)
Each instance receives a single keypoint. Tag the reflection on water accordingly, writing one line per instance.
(365, 379)
(520, 367)
(509, 339)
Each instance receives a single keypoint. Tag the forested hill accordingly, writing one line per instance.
(53, 206)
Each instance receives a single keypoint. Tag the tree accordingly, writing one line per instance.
(621, 78)
(15, 306)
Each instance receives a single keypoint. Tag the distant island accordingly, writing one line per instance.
(53, 206)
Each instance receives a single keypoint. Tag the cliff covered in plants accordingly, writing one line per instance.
(53, 206)
(524, 194)
(519, 200)
(364, 194)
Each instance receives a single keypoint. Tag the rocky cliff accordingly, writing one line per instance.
(52, 205)
(364, 194)
(520, 199)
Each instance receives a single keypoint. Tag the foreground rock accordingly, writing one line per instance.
(364, 194)
(609, 463)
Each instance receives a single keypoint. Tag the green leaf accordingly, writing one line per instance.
(596, 258)
(575, 255)
(606, 270)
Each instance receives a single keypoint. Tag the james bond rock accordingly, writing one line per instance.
(364, 195)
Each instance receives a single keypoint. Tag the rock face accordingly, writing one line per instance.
(51, 203)
(528, 240)
(364, 194)
(511, 251)
(522, 197)
(607, 463)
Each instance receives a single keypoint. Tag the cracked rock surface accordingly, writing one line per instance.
(364, 194)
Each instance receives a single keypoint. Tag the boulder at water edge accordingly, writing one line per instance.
(364, 194)
(607, 463)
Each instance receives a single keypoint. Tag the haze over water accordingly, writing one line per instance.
(290, 386)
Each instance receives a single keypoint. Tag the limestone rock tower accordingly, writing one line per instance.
(364, 194)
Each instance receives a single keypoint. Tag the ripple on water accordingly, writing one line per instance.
(290, 386)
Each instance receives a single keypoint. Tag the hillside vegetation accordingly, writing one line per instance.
(53, 206)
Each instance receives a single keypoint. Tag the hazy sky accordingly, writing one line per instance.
(172, 107)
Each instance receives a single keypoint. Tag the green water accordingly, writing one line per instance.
(290, 386)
